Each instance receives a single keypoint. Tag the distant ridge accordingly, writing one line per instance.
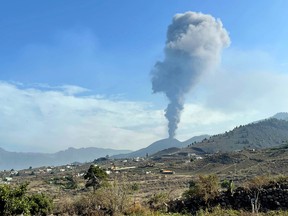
(154, 147)
(281, 116)
(267, 133)
(271, 132)
(20, 160)
(162, 145)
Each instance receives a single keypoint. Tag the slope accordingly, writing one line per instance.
(263, 134)
(162, 145)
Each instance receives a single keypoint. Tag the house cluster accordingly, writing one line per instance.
(178, 156)
(7, 176)
(52, 169)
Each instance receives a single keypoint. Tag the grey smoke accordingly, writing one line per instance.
(193, 46)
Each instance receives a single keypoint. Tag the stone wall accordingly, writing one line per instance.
(271, 197)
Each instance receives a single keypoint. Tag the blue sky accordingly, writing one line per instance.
(97, 57)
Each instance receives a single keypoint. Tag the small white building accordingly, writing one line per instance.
(8, 179)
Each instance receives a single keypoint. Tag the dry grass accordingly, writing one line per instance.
(218, 211)
(257, 182)
(206, 187)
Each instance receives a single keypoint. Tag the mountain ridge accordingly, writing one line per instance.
(267, 133)
(161, 145)
(20, 160)
(281, 116)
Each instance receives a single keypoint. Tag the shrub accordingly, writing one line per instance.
(87, 205)
(111, 200)
(281, 179)
(257, 182)
(135, 187)
(65, 206)
(138, 209)
(206, 188)
(158, 201)
(228, 185)
(116, 198)
(16, 201)
(40, 204)
(13, 200)
(71, 182)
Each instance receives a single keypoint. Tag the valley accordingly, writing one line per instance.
(165, 174)
(68, 182)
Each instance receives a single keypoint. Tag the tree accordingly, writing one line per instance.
(95, 177)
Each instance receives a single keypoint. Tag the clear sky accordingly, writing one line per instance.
(77, 73)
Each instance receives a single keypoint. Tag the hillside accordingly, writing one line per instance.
(154, 147)
(162, 145)
(281, 116)
(263, 134)
(20, 160)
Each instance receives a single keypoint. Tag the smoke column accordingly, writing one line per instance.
(193, 46)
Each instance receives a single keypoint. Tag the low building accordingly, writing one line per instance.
(167, 172)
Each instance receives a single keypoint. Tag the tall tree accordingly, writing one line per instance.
(95, 177)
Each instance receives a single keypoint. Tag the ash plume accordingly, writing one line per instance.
(193, 46)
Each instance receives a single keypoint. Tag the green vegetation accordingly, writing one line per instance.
(204, 195)
(218, 211)
(228, 185)
(65, 182)
(16, 201)
(40, 204)
(206, 188)
(116, 198)
(158, 202)
(96, 177)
